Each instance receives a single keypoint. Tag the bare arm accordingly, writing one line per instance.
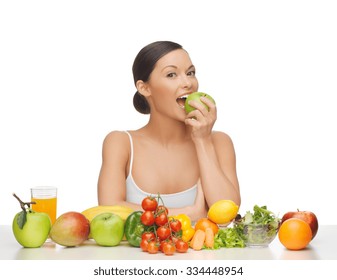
(216, 155)
(111, 181)
(218, 168)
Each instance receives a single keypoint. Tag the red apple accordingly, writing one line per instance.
(306, 216)
(70, 229)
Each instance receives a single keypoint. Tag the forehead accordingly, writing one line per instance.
(177, 58)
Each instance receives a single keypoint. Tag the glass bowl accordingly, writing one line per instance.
(257, 235)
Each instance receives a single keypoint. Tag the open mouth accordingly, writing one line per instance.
(181, 101)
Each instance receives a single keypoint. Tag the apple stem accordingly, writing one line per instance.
(24, 204)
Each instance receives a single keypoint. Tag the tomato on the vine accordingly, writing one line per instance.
(175, 225)
(174, 238)
(149, 203)
(147, 218)
(168, 248)
(181, 246)
(161, 219)
(144, 244)
(153, 247)
(149, 235)
(162, 209)
(163, 232)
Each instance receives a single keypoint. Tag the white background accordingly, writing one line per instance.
(66, 81)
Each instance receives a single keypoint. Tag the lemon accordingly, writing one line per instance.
(223, 211)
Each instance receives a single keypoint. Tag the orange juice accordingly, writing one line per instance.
(46, 200)
(46, 205)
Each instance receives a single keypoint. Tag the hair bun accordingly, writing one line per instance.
(141, 104)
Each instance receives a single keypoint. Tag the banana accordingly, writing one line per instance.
(119, 210)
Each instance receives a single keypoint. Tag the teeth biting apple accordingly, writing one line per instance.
(181, 100)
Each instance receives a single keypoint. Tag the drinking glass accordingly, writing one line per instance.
(46, 200)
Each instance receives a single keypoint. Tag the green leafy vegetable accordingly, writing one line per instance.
(259, 227)
(228, 238)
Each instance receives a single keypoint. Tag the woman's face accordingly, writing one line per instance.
(172, 79)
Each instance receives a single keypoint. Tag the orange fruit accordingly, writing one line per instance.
(295, 234)
(204, 223)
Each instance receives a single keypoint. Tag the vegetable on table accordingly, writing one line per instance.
(186, 226)
(235, 237)
(261, 217)
(198, 240)
(228, 238)
(134, 228)
(209, 238)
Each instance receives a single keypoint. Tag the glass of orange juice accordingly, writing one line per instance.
(45, 200)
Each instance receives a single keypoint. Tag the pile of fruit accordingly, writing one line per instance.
(297, 229)
(152, 229)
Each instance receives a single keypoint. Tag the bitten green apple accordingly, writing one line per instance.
(196, 96)
(107, 229)
(30, 228)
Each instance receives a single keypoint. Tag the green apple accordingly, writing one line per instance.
(31, 228)
(196, 96)
(107, 229)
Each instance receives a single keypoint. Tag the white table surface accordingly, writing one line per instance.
(323, 247)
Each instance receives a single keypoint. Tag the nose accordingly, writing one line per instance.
(186, 82)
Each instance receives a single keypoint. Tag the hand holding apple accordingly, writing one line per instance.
(196, 96)
(306, 216)
(30, 228)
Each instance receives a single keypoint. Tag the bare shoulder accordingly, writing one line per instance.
(116, 142)
(116, 136)
(221, 138)
(224, 146)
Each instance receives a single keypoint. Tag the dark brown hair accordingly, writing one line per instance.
(143, 66)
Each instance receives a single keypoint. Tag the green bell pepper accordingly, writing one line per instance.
(134, 228)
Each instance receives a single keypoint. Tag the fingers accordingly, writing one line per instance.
(201, 107)
(208, 102)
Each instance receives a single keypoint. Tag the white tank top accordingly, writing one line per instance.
(135, 194)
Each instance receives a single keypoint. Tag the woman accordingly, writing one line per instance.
(175, 154)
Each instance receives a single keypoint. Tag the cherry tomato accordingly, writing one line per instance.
(149, 235)
(163, 232)
(161, 219)
(181, 246)
(169, 248)
(149, 203)
(175, 225)
(162, 209)
(147, 218)
(153, 247)
(173, 238)
(144, 245)
(161, 243)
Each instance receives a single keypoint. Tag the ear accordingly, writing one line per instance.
(142, 88)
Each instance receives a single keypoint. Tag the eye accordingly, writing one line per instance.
(191, 73)
(171, 75)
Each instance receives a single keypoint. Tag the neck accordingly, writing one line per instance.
(167, 130)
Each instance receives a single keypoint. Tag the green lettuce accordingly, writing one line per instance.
(228, 238)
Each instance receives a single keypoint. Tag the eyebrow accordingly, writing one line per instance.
(173, 66)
